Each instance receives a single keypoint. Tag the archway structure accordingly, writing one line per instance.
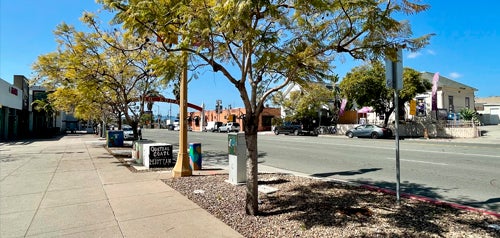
(169, 100)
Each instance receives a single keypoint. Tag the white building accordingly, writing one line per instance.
(451, 97)
(11, 106)
(489, 110)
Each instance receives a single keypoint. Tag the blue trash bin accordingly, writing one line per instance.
(114, 138)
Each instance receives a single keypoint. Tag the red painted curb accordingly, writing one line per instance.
(432, 201)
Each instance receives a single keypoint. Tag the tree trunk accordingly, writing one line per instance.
(387, 114)
(251, 128)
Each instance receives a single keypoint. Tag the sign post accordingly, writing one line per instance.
(394, 79)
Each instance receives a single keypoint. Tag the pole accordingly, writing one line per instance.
(182, 168)
(396, 128)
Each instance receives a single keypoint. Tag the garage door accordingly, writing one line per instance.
(495, 116)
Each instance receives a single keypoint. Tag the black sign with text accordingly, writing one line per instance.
(160, 156)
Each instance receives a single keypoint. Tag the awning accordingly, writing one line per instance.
(365, 110)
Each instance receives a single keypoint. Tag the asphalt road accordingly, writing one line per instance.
(451, 170)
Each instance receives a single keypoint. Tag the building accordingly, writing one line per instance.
(11, 108)
(451, 97)
(489, 110)
(18, 119)
(232, 115)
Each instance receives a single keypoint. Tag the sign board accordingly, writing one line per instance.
(394, 72)
(413, 107)
(158, 155)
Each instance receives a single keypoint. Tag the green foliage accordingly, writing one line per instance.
(469, 114)
(306, 102)
(366, 85)
(271, 43)
(97, 75)
(276, 121)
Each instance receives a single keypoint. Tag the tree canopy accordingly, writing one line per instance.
(270, 43)
(366, 85)
(99, 74)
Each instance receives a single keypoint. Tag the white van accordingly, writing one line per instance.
(213, 126)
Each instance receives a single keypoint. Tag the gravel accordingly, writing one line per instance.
(307, 207)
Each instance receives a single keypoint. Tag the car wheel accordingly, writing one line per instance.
(374, 135)
(276, 132)
(296, 132)
(349, 134)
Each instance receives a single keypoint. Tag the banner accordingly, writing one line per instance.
(342, 106)
(435, 80)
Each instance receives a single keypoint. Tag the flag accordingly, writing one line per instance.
(435, 80)
(342, 106)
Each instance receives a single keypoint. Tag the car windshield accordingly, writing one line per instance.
(127, 128)
(236, 124)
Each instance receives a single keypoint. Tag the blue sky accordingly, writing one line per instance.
(465, 47)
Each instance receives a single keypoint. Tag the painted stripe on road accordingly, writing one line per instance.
(418, 161)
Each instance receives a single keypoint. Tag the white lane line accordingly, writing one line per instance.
(418, 161)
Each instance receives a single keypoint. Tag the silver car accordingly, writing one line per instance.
(370, 131)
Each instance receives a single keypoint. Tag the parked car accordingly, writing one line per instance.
(178, 128)
(213, 126)
(369, 130)
(230, 126)
(295, 129)
(288, 128)
(128, 133)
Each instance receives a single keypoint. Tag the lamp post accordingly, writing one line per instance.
(158, 115)
(182, 168)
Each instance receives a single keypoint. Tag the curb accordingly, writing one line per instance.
(432, 201)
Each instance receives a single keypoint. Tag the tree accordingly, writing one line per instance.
(99, 73)
(270, 43)
(44, 106)
(304, 104)
(366, 85)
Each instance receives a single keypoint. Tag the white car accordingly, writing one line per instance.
(128, 133)
(229, 127)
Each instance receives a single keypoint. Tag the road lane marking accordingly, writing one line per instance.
(392, 148)
(418, 161)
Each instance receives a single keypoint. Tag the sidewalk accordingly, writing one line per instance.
(73, 187)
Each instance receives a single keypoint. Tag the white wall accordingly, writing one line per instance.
(7, 99)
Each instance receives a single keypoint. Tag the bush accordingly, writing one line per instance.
(469, 114)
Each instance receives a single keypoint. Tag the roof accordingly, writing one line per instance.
(489, 100)
(443, 81)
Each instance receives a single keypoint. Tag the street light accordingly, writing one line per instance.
(158, 114)
(182, 168)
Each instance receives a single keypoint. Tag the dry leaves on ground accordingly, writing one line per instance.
(306, 207)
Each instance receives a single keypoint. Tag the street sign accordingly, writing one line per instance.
(394, 71)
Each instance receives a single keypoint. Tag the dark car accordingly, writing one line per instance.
(369, 130)
(294, 129)
(288, 129)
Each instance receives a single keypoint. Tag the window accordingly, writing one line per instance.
(450, 104)
(421, 112)
(467, 102)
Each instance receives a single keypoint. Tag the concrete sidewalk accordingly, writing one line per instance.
(73, 187)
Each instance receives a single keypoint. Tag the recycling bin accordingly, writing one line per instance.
(195, 156)
(114, 138)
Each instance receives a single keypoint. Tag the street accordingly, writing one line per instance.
(465, 173)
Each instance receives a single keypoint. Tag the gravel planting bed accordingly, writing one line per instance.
(306, 207)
